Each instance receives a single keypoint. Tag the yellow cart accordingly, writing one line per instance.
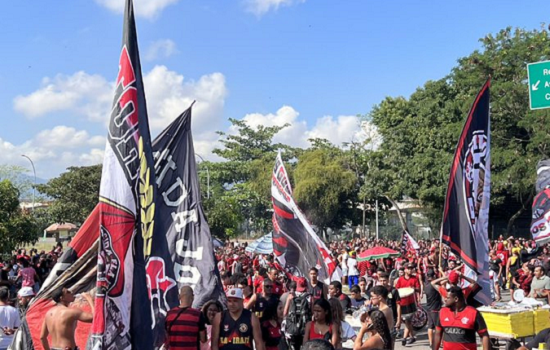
(514, 323)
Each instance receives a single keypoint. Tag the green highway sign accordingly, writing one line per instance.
(539, 84)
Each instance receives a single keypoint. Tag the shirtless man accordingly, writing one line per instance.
(61, 321)
(379, 299)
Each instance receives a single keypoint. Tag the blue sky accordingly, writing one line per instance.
(313, 63)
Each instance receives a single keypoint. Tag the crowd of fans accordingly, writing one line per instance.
(20, 279)
(375, 304)
(386, 293)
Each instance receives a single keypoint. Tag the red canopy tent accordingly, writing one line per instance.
(377, 253)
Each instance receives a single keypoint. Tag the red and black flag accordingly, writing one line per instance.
(126, 210)
(182, 250)
(466, 212)
(295, 244)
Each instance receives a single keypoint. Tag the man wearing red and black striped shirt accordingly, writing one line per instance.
(459, 323)
(185, 326)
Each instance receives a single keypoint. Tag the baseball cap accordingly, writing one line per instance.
(301, 284)
(453, 277)
(409, 266)
(26, 292)
(236, 293)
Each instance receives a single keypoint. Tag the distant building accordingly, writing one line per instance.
(26, 207)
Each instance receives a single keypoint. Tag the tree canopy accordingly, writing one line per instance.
(420, 133)
(15, 227)
(75, 193)
(325, 187)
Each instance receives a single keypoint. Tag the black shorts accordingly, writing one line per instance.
(433, 318)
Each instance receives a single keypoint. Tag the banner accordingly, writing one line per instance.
(466, 212)
(183, 252)
(126, 210)
(295, 245)
(540, 224)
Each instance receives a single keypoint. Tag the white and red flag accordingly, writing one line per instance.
(126, 210)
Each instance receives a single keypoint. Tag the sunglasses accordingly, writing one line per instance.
(268, 287)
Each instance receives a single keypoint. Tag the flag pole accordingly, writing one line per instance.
(440, 249)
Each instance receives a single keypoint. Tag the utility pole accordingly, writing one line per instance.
(364, 214)
(34, 186)
(207, 176)
(376, 219)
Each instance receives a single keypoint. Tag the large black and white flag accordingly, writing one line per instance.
(182, 250)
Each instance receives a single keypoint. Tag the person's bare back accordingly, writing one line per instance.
(60, 322)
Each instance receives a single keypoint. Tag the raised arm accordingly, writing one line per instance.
(438, 281)
(471, 280)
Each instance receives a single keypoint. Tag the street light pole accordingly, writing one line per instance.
(377, 219)
(34, 186)
(207, 176)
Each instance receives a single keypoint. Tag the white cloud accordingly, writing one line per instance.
(66, 137)
(337, 130)
(143, 8)
(168, 94)
(52, 151)
(80, 93)
(291, 135)
(261, 7)
(163, 48)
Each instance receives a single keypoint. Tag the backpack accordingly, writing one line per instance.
(299, 314)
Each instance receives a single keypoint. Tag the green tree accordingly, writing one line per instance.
(420, 133)
(75, 193)
(16, 229)
(325, 186)
(245, 176)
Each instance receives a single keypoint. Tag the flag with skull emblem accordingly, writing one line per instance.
(466, 213)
